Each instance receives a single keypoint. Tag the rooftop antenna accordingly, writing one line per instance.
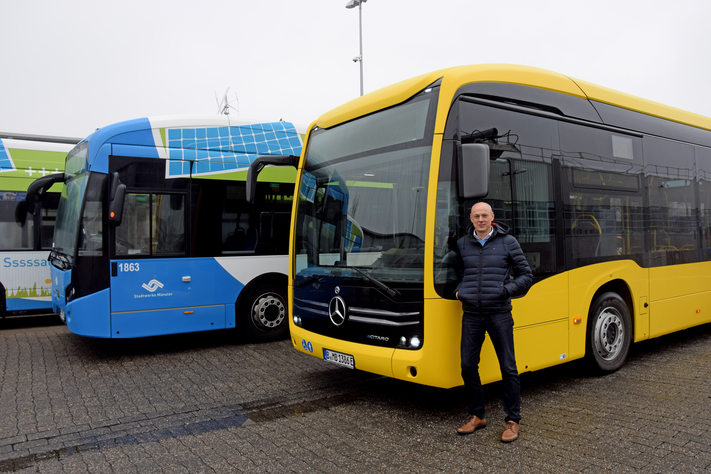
(224, 106)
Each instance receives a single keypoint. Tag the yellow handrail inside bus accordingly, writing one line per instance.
(597, 225)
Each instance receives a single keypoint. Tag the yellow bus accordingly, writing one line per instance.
(608, 194)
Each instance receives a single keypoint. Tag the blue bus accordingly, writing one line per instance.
(25, 239)
(154, 235)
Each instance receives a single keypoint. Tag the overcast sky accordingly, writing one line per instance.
(71, 66)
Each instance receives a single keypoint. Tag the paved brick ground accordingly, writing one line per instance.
(203, 403)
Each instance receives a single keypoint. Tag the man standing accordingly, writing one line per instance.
(492, 269)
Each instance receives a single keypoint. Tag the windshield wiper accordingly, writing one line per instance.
(307, 280)
(391, 292)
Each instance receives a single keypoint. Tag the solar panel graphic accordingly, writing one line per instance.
(6, 163)
(227, 148)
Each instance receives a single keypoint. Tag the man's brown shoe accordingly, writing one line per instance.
(473, 423)
(510, 432)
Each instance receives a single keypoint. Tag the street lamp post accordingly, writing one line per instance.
(359, 4)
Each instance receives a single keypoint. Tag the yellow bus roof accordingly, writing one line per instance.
(453, 78)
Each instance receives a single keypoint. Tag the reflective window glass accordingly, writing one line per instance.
(152, 224)
(16, 225)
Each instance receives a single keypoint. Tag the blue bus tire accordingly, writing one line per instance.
(264, 314)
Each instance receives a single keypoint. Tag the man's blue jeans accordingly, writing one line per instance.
(500, 329)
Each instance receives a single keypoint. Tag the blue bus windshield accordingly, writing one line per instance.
(77, 160)
(67, 224)
(75, 179)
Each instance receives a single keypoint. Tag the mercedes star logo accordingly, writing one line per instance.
(337, 310)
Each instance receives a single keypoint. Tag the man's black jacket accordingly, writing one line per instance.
(492, 274)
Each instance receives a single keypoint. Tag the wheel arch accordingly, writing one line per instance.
(272, 278)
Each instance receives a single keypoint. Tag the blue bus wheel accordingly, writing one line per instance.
(264, 315)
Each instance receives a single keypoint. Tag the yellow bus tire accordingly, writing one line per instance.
(609, 333)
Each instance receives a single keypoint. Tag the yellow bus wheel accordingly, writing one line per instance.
(609, 335)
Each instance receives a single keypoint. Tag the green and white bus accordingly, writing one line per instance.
(25, 240)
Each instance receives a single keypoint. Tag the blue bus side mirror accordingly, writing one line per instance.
(21, 213)
(176, 202)
(38, 188)
(474, 169)
(118, 193)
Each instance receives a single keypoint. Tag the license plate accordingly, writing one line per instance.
(344, 360)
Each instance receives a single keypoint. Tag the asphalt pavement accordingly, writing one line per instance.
(209, 403)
